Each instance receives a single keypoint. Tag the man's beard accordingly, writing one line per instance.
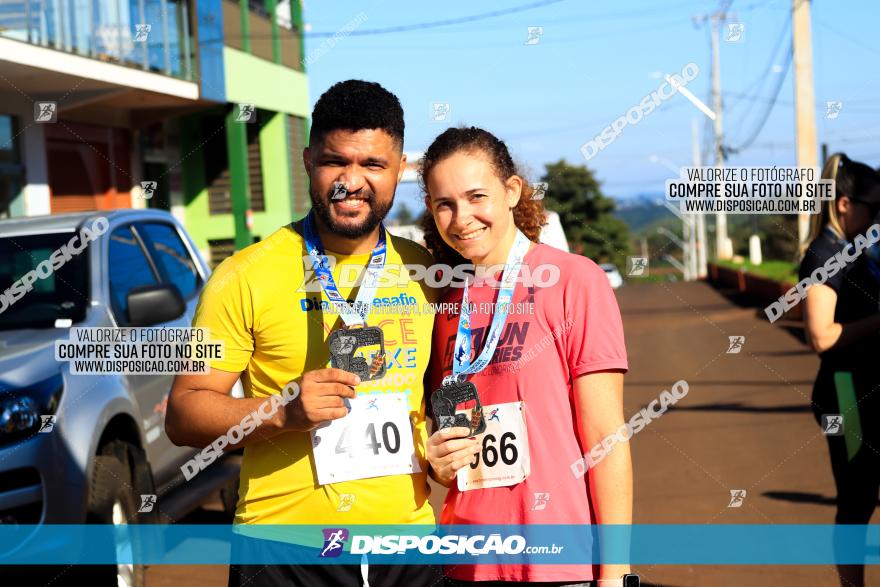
(375, 214)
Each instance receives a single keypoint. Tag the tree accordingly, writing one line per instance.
(586, 213)
(404, 216)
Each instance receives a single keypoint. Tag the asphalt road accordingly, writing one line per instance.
(745, 424)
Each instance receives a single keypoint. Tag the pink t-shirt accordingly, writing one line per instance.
(575, 328)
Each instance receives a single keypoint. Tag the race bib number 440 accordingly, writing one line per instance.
(504, 449)
(375, 439)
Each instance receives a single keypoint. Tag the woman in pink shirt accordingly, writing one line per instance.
(549, 377)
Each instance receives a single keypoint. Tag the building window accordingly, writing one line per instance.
(11, 173)
(232, 33)
(296, 128)
(220, 249)
(89, 167)
(255, 168)
(216, 165)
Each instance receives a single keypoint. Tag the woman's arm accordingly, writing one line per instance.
(822, 331)
(599, 404)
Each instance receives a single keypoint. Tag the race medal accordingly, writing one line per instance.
(458, 404)
(344, 345)
(504, 458)
(351, 346)
(375, 439)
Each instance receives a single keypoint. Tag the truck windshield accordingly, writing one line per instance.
(35, 296)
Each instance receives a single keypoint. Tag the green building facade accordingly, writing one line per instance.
(243, 180)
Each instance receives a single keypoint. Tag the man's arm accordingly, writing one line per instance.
(200, 409)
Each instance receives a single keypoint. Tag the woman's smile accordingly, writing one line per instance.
(471, 234)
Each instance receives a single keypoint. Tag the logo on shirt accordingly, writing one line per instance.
(316, 304)
(334, 540)
(510, 344)
(493, 415)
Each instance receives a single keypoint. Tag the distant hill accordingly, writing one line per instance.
(645, 212)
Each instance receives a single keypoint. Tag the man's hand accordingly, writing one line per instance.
(450, 449)
(321, 398)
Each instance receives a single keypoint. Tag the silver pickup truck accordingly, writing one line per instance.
(77, 449)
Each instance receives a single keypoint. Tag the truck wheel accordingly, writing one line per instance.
(113, 500)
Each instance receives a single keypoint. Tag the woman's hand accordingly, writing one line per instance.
(450, 449)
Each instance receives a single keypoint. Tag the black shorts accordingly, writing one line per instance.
(454, 583)
(322, 575)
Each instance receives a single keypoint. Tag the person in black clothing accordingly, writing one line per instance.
(843, 327)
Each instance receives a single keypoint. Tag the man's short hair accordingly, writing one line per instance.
(357, 105)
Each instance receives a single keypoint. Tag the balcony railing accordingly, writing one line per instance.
(154, 35)
(261, 34)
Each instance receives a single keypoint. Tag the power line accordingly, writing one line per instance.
(764, 99)
(438, 23)
(766, 114)
(627, 15)
(755, 86)
(848, 37)
(545, 40)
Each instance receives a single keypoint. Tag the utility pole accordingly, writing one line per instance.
(721, 218)
(804, 96)
(698, 250)
(722, 243)
(687, 249)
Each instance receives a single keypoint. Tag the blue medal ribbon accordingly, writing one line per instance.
(352, 316)
(461, 359)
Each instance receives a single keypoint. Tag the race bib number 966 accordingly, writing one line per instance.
(504, 450)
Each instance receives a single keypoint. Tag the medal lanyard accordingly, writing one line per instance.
(461, 359)
(356, 316)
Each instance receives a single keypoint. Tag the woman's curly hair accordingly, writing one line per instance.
(528, 215)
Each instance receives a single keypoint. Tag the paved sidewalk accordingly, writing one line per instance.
(745, 424)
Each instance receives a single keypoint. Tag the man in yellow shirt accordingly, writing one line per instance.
(337, 446)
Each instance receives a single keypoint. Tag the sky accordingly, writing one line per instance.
(594, 61)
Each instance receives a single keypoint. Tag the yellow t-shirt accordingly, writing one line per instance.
(273, 333)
